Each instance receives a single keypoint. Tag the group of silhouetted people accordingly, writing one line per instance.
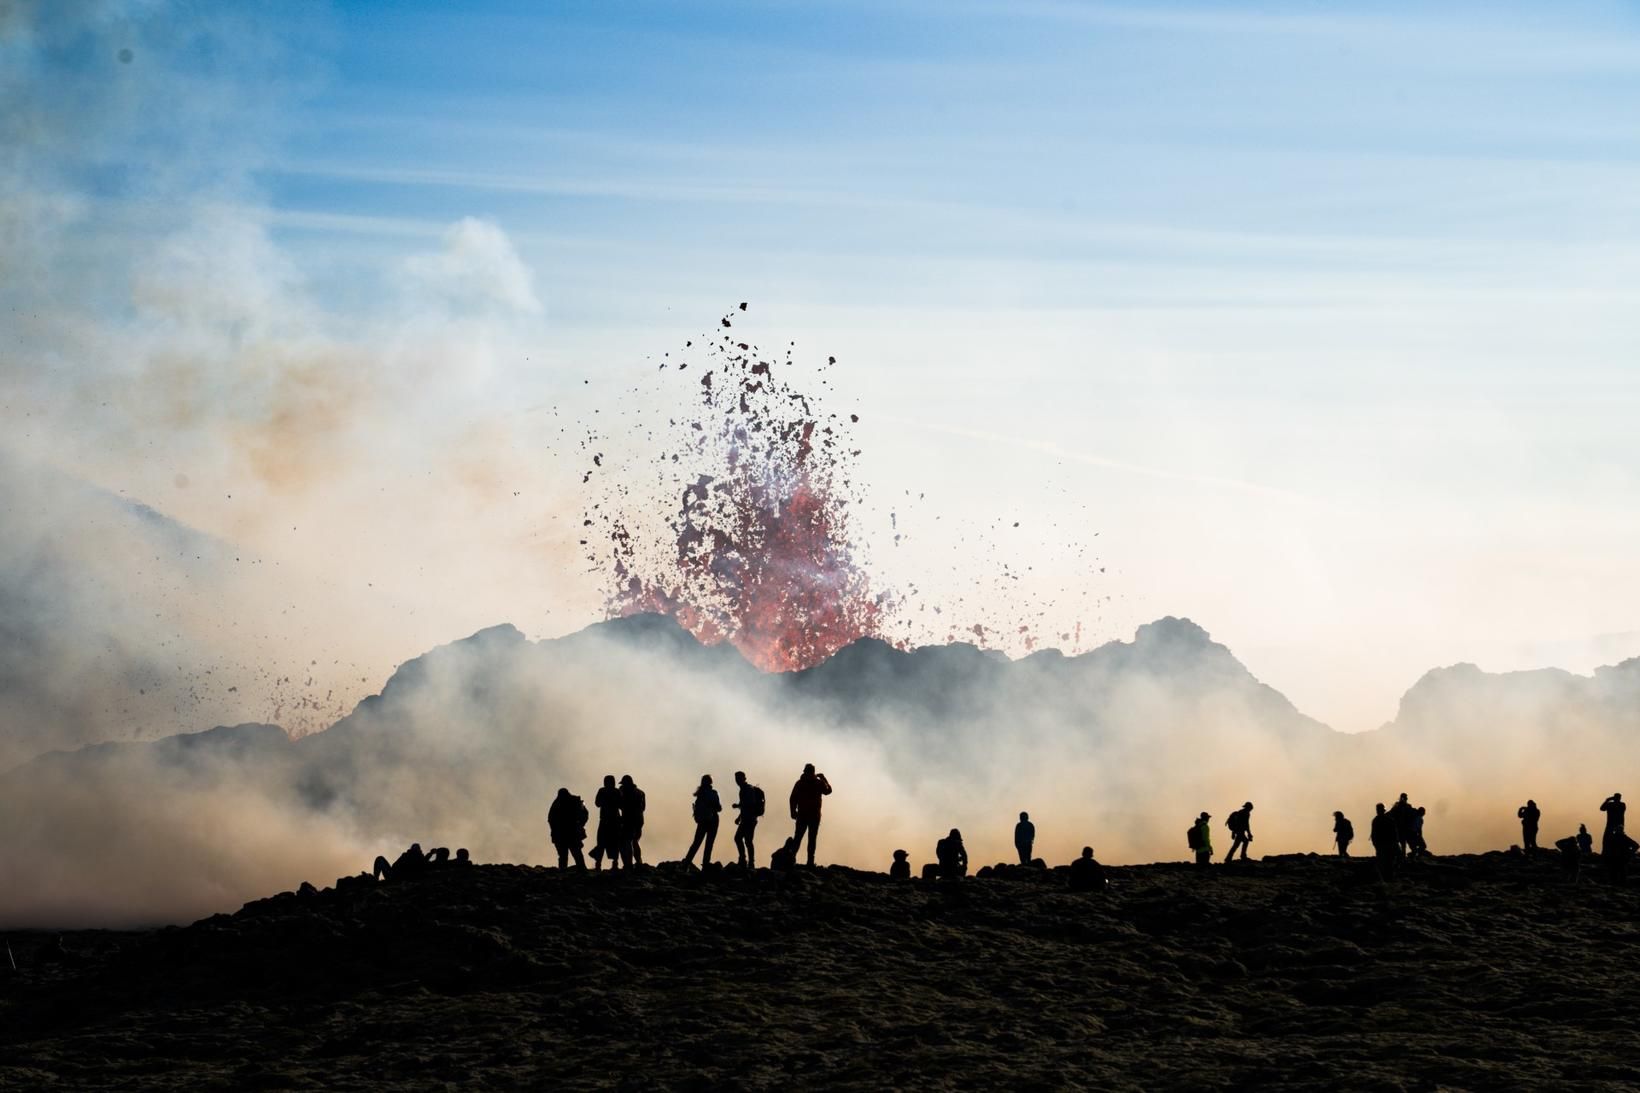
(414, 862)
(621, 815)
(1396, 834)
(620, 825)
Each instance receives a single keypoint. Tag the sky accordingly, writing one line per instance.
(1318, 320)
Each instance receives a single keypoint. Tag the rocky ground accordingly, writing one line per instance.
(1298, 973)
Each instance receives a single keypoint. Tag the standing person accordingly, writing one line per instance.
(1386, 840)
(567, 823)
(1585, 841)
(805, 802)
(611, 836)
(952, 856)
(707, 807)
(633, 802)
(1614, 843)
(1529, 816)
(1343, 834)
(1024, 837)
(1240, 823)
(1400, 816)
(1415, 835)
(750, 806)
(1201, 840)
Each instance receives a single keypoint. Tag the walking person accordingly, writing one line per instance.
(805, 801)
(1240, 823)
(1343, 834)
(706, 810)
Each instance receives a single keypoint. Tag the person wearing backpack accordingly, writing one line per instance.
(707, 807)
(567, 822)
(1240, 823)
(1200, 838)
(1343, 833)
(750, 807)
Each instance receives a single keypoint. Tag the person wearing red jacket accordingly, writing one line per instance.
(806, 795)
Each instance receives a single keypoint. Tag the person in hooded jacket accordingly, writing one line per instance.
(567, 823)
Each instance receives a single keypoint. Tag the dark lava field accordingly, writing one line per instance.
(1491, 972)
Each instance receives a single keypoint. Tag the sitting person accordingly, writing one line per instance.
(462, 858)
(785, 858)
(901, 869)
(439, 855)
(408, 864)
(1087, 875)
(952, 855)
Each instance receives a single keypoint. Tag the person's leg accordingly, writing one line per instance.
(802, 829)
(563, 856)
(740, 843)
(380, 869)
(700, 834)
(750, 831)
(711, 837)
(637, 850)
(814, 833)
(580, 858)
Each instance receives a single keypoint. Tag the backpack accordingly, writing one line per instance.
(1194, 837)
(757, 801)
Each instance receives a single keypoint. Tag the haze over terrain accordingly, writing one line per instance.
(330, 335)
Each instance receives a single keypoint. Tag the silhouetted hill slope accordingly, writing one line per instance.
(1296, 973)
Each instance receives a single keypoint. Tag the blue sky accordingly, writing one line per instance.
(1321, 315)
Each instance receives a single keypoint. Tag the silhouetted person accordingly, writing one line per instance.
(1400, 815)
(1087, 875)
(439, 855)
(1343, 834)
(610, 832)
(750, 807)
(1386, 840)
(1585, 841)
(406, 865)
(567, 823)
(1614, 808)
(1240, 823)
(1201, 840)
(1024, 837)
(707, 807)
(1415, 834)
(785, 859)
(901, 869)
(952, 856)
(462, 858)
(805, 802)
(633, 802)
(1529, 816)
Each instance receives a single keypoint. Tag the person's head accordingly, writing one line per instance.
(1420, 810)
(1380, 808)
(1530, 803)
(901, 855)
(415, 848)
(706, 781)
(1337, 815)
(1248, 805)
(563, 791)
(808, 768)
(1087, 851)
(740, 777)
(1403, 798)
(1617, 796)
(1582, 829)
(609, 781)
(626, 781)
(791, 842)
(461, 855)
(1203, 816)
(1024, 816)
(955, 836)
